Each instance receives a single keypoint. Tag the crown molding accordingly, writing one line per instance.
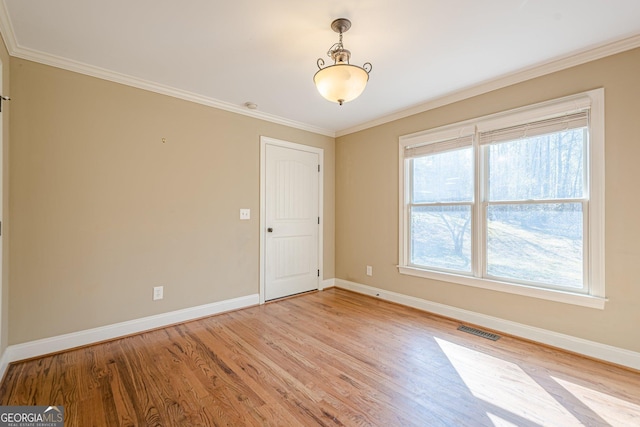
(554, 65)
(18, 51)
(548, 67)
(6, 28)
(101, 73)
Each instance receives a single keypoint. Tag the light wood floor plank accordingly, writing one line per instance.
(331, 358)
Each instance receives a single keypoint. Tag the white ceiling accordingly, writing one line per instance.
(225, 53)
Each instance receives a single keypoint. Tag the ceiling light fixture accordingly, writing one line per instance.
(341, 82)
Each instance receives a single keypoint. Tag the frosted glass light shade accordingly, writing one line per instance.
(341, 82)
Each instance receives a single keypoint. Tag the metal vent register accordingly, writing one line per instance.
(478, 332)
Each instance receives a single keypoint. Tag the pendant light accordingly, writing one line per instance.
(341, 82)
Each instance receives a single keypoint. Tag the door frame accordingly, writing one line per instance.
(264, 141)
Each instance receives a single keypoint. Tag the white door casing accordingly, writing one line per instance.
(290, 229)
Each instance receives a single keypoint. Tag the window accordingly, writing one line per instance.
(511, 202)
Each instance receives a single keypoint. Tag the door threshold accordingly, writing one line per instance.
(299, 294)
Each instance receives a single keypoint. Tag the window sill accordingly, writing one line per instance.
(546, 294)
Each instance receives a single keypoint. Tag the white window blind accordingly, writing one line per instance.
(449, 145)
(543, 127)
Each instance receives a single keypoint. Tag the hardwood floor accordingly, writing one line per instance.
(328, 358)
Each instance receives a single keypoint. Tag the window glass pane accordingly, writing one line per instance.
(539, 168)
(441, 237)
(443, 177)
(536, 243)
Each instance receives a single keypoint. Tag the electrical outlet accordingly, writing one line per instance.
(369, 270)
(245, 213)
(158, 292)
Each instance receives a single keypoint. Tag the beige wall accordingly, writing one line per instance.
(367, 205)
(4, 285)
(102, 210)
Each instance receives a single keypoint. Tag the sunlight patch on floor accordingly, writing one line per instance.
(507, 386)
(616, 412)
(500, 422)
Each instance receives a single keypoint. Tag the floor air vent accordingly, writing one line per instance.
(478, 332)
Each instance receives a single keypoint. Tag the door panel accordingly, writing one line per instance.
(291, 213)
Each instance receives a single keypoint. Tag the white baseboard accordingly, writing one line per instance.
(4, 363)
(588, 348)
(44, 346)
(326, 284)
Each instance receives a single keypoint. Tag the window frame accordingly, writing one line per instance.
(594, 216)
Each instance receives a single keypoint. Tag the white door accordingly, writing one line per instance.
(291, 221)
